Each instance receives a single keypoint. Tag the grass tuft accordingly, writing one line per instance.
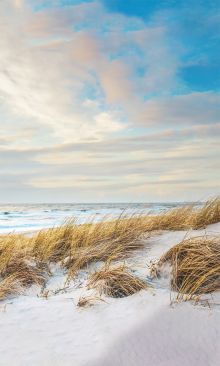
(187, 217)
(195, 266)
(10, 286)
(105, 241)
(116, 282)
(88, 301)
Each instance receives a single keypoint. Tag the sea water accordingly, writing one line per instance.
(31, 217)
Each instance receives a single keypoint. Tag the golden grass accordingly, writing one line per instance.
(188, 217)
(88, 301)
(106, 241)
(116, 281)
(18, 268)
(195, 266)
(76, 246)
(10, 286)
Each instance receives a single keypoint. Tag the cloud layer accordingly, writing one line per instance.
(93, 107)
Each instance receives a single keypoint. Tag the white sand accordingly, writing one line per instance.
(141, 330)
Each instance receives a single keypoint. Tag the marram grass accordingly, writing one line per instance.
(195, 266)
(116, 281)
(88, 301)
(187, 217)
(24, 260)
(10, 286)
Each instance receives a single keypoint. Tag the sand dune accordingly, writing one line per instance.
(146, 328)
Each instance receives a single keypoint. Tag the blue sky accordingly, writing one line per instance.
(109, 100)
(195, 24)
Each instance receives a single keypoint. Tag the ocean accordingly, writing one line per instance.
(31, 217)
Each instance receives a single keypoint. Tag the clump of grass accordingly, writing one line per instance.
(75, 246)
(208, 214)
(116, 281)
(105, 241)
(27, 269)
(187, 217)
(180, 218)
(53, 245)
(18, 265)
(195, 266)
(88, 301)
(10, 286)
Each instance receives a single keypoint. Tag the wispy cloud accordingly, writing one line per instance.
(93, 99)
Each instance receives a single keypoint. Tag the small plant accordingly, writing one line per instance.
(195, 266)
(187, 217)
(88, 301)
(10, 286)
(116, 282)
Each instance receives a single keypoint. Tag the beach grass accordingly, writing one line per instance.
(88, 301)
(187, 217)
(10, 286)
(116, 281)
(25, 259)
(195, 266)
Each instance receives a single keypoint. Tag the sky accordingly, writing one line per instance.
(109, 100)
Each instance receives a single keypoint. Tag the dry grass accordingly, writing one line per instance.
(18, 268)
(54, 245)
(88, 301)
(73, 246)
(195, 266)
(10, 286)
(116, 281)
(76, 246)
(188, 217)
(208, 214)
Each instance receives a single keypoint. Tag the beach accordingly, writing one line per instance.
(55, 326)
(109, 183)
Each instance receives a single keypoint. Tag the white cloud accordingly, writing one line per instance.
(42, 85)
(48, 70)
(88, 101)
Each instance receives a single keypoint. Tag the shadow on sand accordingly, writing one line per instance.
(180, 336)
